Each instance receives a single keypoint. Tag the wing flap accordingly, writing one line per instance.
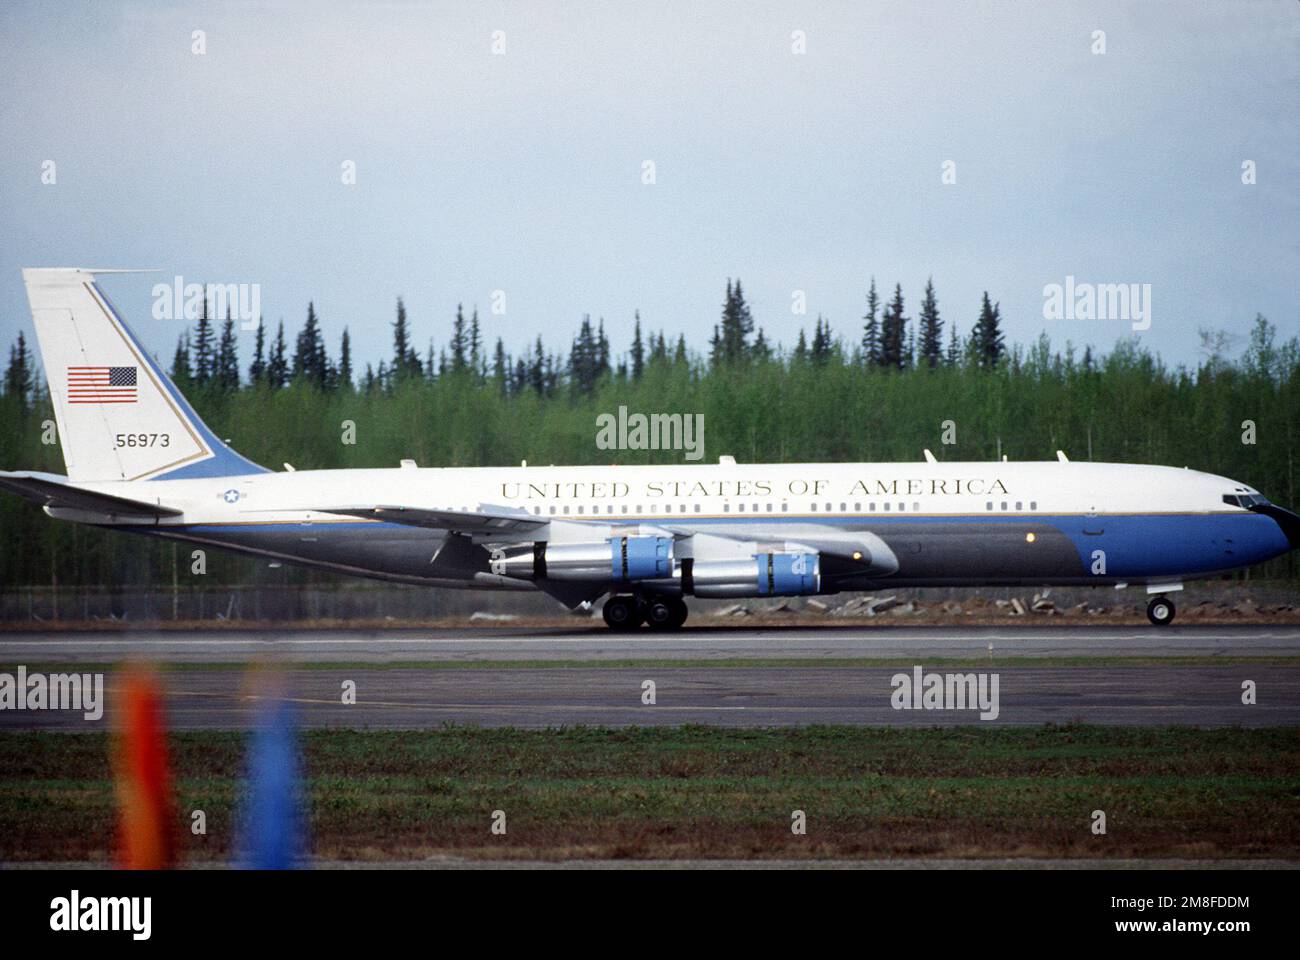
(488, 521)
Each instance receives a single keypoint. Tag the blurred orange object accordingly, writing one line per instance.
(147, 835)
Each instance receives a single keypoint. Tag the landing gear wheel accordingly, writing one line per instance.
(1160, 611)
(622, 613)
(659, 613)
(665, 613)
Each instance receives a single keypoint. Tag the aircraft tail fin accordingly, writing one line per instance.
(120, 417)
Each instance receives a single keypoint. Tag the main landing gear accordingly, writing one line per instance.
(624, 612)
(1160, 611)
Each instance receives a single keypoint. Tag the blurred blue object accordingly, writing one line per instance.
(271, 827)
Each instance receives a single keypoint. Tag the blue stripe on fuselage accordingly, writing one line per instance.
(1135, 545)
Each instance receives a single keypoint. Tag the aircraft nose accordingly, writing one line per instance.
(1288, 521)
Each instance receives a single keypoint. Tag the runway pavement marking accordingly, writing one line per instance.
(331, 702)
(685, 641)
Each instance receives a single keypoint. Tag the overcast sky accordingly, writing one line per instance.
(522, 172)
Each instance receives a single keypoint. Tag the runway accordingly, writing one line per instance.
(405, 698)
(728, 676)
(721, 642)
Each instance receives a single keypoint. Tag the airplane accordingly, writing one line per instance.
(140, 459)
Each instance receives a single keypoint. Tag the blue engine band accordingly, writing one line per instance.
(640, 558)
(787, 574)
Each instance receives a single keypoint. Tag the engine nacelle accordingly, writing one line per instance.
(618, 559)
(763, 575)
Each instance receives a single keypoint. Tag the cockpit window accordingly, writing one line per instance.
(1247, 500)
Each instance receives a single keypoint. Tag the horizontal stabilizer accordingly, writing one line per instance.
(486, 521)
(52, 490)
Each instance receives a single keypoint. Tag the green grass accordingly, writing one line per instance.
(705, 792)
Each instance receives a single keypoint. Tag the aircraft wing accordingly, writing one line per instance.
(488, 522)
(51, 490)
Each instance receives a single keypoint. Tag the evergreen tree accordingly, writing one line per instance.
(406, 362)
(871, 355)
(18, 375)
(476, 358)
(762, 349)
(309, 359)
(954, 346)
(584, 360)
(931, 352)
(822, 345)
(602, 352)
(731, 339)
(277, 367)
(344, 375)
(205, 354)
(459, 343)
(801, 348)
(638, 349)
(181, 373)
(658, 349)
(257, 369)
(501, 368)
(537, 368)
(893, 333)
(226, 374)
(987, 339)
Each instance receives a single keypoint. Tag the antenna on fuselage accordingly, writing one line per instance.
(1060, 455)
(929, 457)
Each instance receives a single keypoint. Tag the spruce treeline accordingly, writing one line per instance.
(880, 390)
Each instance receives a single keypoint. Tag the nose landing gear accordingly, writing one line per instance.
(624, 613)
(1160, 611)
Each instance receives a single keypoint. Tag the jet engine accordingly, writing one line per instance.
(617, 558)
(763, 575)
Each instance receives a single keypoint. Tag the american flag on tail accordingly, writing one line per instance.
(102, 385)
